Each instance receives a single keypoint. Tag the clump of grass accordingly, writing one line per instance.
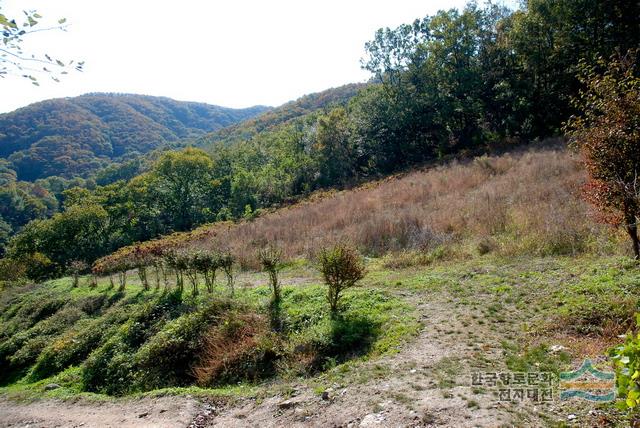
(410, 258)
(537, 358)
(239, 349)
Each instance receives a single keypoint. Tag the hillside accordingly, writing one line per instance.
(72, 137)
(273, 118)
(457, 209)
(459, 267)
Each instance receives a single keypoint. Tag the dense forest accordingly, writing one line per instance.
(460, 81)
(48, 147)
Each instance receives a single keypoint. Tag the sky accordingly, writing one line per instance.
(234, 53)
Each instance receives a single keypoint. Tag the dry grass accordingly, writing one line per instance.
(520, 203)
(232, 351)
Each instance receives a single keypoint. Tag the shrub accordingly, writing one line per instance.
(12, 271)
(626, 359)
(37, 265)
(227, 260)
(75, 268)
(207, 263)
(342, 267)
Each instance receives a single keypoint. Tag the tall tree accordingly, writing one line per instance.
(607, 133)
(184, 185)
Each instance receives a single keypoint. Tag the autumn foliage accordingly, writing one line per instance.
(607, 133)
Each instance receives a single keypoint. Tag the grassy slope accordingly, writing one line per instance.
(482, 205)
(33, 335)
(497, 280)
(504, 313)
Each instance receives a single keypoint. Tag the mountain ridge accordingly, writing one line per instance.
(75, 136)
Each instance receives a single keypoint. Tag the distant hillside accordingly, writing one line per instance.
(483, 205)
(73, 137)
(286, 112)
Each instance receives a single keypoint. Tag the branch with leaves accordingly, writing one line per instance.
(15, 61)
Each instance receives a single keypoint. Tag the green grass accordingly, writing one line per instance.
(523, 303)
(115, 338)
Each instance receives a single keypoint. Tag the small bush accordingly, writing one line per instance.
(486, 245)
(38, 266)
(342, 267)
(271, 261)
(75, 268)
(626, 359)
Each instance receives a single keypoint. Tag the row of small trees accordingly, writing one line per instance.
(165, 263)
(341, 267)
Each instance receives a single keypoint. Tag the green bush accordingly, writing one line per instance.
(341, 267)
(626, 359)
(167, 358)
(76, 344)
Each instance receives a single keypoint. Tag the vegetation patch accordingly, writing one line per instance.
(124, 342)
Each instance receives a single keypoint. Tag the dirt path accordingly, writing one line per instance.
(160, 412)
(428, 383)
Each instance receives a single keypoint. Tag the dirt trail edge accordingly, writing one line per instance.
(146, 412)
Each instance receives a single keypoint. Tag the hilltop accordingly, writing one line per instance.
(279, 116)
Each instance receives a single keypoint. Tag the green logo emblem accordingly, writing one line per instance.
(587, 383)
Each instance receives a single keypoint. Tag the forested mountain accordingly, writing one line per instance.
(455, 83)
(247, 129)
(73, 137)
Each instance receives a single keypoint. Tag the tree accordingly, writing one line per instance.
(271, 260)
(79, 233)
(336, 153)
(607, 133)
(184, 184)
(342, 267)
(15, 61)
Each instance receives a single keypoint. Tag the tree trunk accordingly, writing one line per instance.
(632, 230)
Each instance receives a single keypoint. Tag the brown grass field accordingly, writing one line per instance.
(526, 202)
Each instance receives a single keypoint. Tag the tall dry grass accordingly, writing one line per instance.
(526, 202)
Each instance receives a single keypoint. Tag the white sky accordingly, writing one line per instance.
(231, 53)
